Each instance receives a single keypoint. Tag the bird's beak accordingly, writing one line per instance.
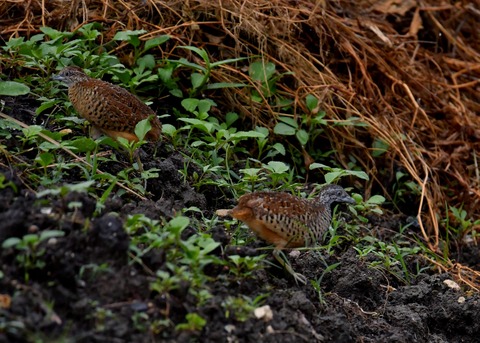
(58, 78)
(350, 200)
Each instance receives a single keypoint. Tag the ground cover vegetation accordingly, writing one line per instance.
(380, 98)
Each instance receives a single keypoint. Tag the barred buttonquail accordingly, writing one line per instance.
(287, 221)
(110, 109)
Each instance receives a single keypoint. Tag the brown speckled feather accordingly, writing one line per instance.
(285, 220)
(108, 107)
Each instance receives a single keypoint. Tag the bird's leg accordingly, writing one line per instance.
(282, 259)
(136, 154)
(95, 132)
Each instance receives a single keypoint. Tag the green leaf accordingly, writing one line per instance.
(278, 167)
(32, 131)
(6, 124)
(10, 242)
(250, 171)
(46, 105)
(142, 128)
(246, 134)
(201, 52)
(130, 36)
(187, 63)
(280, 148)
(45, 159)
(168, 129)
(336, 173)
(311, 102)
(352, 121)
(165, 74)
(80, 187)
(302, 137)
(12, 88)
(331, 267)
(127, 35)
(178, 224)
(284, 129)
(379, 147)
(53, 34)
(146, 62)
(204, 105)
(31, 239)
(176, 93)
(83, 144)
(316, 165)
(333, 176)
(207, 244)
(51, 234)
(261, 71)
(230, 118)
(14, 43)
(289, 121)
(221, 85)
(199, 124)
(376, 199)
(357, 173)
(190, 104)
(197, 80)
(318, 118)
(228, 60)
(156, 41)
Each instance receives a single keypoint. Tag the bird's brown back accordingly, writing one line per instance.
(108, 107)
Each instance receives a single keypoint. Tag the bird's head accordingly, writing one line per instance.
(333, 193)
(71, 75)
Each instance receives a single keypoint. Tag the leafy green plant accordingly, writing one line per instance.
(390, 257)
(334, 174)
(30, 251)
(92, 269)
(140, 321)
(244, 266)
(102, 316)
(457, 227)
(12, 88)
(143, 70)
(201, 75)
(404, 187)
(241, 307)
(4, 184)
(214, 145)
(195, 322)
(265, 150)
(371, 205)
(66, 188)
(185, 258)
(316, 283)
(288, 126)
(266, 75)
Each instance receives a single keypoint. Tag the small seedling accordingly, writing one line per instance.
(195, 322)
(30, 252)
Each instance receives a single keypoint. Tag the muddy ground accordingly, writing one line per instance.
(60, 302)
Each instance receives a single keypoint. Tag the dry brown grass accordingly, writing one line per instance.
(409, 69)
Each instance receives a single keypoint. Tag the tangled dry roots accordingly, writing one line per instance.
(409, 69)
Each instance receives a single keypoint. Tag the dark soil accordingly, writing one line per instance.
(60, 302)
